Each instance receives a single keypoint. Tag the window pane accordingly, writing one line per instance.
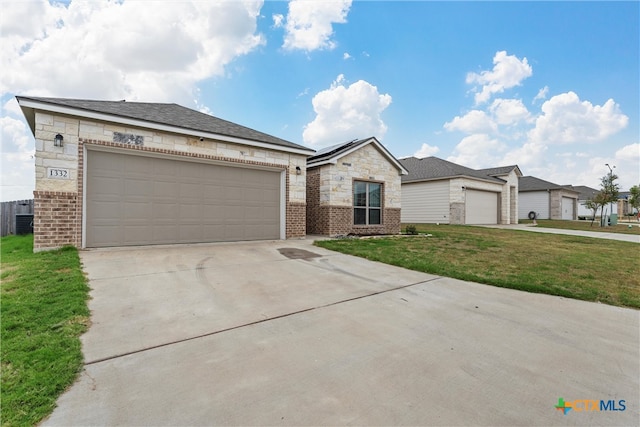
(375, 191)
(374, 216)
(359, 194)
(359, 216)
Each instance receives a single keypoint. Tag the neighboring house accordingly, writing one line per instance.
(546, 199)
(439, 191)
(354, 188)
(584, 193)
(129, 173)
(622, 206)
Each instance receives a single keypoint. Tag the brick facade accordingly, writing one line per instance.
(296, 220)
(330, 194)
(314, 217)
(57, 220)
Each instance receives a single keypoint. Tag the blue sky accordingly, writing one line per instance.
(550, 86)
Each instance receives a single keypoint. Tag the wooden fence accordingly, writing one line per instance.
(8, 212)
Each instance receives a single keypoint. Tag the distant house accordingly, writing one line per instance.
(546, 200)
(353, 188)
(585, 193)
(439, 191)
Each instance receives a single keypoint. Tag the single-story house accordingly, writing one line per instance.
(129, 173)
(584, 193)
(546, 200)
(354, 188)
(439, 191)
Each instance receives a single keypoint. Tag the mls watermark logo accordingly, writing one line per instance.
(590, 405)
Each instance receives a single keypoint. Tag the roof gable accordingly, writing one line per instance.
(331, 155)
(153, 115)
(502, 170)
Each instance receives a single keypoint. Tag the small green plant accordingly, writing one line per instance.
(411, 229)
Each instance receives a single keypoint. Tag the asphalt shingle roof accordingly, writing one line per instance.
(586, 193)
(531, 183)
(168, 114)
(434, 168)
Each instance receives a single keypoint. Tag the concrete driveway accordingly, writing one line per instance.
(285, 333)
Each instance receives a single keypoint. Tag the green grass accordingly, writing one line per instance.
(583, 268)
(44, 311)
(586, 226)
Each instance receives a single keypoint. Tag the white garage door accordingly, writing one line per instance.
(140, 200)
(481, 207)
(567, 208)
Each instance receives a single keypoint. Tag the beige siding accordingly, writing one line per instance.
(425, 202)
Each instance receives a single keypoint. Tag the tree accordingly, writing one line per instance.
(598, 201)
(634, 198)
(609, 190)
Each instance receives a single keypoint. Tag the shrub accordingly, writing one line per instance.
(411, 229)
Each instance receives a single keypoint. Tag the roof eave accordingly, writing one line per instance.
(31, 105)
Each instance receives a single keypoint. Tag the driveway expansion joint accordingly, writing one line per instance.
(256, 322)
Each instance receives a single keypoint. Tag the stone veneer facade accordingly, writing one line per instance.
(507, 197)
(58, 201)
(330, 194)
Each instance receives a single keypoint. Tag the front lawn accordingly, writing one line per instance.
(44, 311)
(585, 226)
(584, 268)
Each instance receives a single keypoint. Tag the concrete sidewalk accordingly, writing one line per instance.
(595, 234)
(285, 333)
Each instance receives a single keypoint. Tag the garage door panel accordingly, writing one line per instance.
(136, 200)
(481, 207)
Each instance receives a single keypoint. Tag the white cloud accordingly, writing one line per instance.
(508, 71)
(629, 152)
(278, 20)
(509, 111)
(542, 94)
(152, 51)
(528, 155)
(309, 24)
(477, 151)
(134, 50)
(426, 150)
(475, 121)
(344, 113)
(565, 119)
(18, 174)
(346, 55)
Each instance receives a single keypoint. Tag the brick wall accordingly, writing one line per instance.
(338, 220)
(56, 220)
(314, 216)
(296, 220)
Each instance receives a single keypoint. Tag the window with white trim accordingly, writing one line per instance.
(367, 203)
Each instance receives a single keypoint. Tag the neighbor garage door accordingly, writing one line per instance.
(567, 208)
(140, 200)
(481, 207)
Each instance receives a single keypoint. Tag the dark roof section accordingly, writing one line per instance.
(502, 170)
(531, 183)
(168, 114)
(431, 168)
(334, 150)
(586, 193)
